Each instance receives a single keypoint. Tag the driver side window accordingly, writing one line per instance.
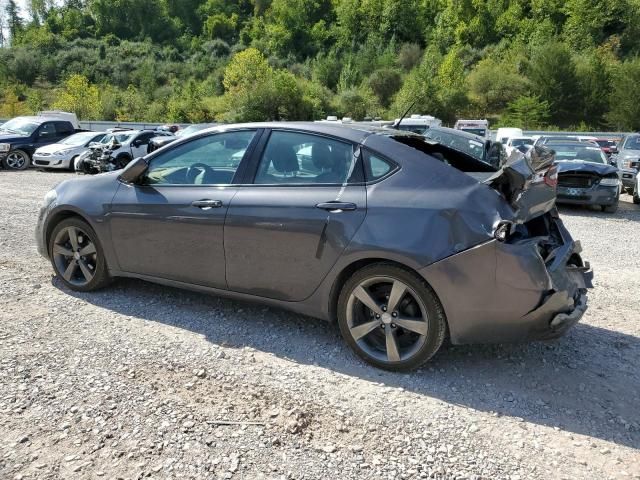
(210, 160)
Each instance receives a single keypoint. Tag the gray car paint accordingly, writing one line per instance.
(428, 216)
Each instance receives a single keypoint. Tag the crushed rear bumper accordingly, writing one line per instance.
(528, 288)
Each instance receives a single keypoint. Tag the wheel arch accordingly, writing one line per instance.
(356, 265)
(58, 217)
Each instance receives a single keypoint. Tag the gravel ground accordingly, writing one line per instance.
(140, 380)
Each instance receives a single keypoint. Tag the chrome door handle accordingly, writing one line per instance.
(207, 204)
(337, 206)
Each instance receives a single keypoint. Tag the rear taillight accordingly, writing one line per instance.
(551, 177)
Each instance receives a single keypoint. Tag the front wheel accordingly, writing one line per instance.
(16, 160)
(391, 317)
(77, 256)
(636, 196)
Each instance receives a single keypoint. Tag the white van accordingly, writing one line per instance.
(477, 127)
(504, 134)
(417, 123)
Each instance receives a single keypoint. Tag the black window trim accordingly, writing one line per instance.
(252, 168)
(239, 171)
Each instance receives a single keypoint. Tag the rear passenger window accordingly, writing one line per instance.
(376, 167)
(299, 158)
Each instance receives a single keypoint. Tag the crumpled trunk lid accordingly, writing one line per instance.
(528, 183)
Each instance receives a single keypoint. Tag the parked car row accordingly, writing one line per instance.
(54, 140)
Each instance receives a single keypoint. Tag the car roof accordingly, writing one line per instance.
(354, 132)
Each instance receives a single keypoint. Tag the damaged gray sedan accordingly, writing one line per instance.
(402, 240)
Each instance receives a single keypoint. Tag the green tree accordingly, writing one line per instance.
(553, 78)
(14, 20)
(492, 85)
(81, 97)
(624, 112)
(527, 112)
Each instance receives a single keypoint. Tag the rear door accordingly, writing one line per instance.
(286, 228)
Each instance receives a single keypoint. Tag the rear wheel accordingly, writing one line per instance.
(77, 256)
(391, 317)
(16, 160)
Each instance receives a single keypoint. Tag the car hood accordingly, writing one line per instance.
(9, 137)
(579, 166)
(57, 147)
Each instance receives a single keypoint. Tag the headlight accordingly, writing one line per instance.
(64, 152)
(5, 147)
(610, 182)
(50, 197)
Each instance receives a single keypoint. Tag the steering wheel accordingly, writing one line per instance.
(195, 170)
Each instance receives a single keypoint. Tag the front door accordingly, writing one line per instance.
(170, 225)
(285, 231)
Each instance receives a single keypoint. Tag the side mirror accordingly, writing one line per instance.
(137, 143)
(134, 170)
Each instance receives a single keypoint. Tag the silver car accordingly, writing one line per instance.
(62, 155)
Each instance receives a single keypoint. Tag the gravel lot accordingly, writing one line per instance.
(140, 380)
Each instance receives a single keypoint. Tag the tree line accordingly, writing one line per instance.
(527, 63)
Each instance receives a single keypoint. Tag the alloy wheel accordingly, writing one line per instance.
(16, 160)
(387, 319)
(75, 256)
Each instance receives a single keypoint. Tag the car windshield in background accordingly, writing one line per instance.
(460, 143)
(78, 138)
(606, 143)
(579, 153)
(632, 143)
(120, 137)
(481, 132)
(518, 142)
(20, 126)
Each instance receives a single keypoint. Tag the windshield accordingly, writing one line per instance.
(481, 132)
(606, 143)
(120, 137)
(632, 143)
(21, 126)
(579, 153)
(78, 138)
(518, 142)
(458, 142)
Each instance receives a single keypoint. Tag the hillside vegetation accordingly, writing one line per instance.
(528, 63)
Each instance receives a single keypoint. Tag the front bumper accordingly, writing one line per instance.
(507, 292)
(50, 161)
(596, 195)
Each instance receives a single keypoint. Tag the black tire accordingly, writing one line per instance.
(636, 196)
(16, 160)
(72, 163)
(94, 262)
(610, 208)
(629, 190)
(413, 347)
